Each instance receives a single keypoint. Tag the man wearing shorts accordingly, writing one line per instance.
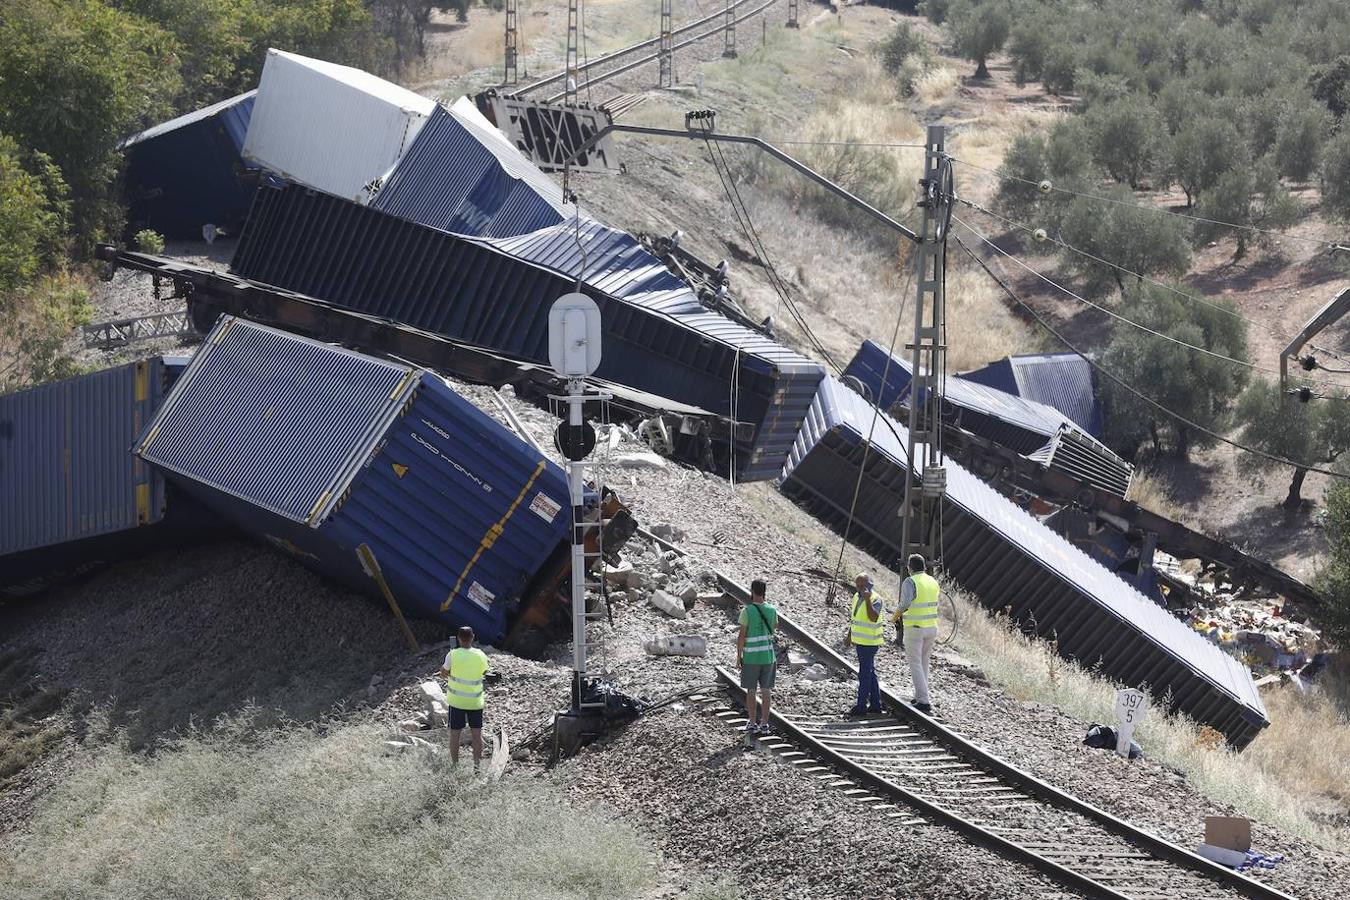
(464, 669)
(756, 658)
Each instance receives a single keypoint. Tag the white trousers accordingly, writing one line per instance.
(919, 648)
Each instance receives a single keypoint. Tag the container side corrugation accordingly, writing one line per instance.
(1063, 381)
(66, 472)
(328, 126)
(460, 513)
(460, 180)
(1007, 558)
(497, 294)
(244, 438)
(188, 172)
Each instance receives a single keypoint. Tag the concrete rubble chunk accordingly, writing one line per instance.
(797, 661)
(816, 672)
(436, 705)
(619, 574)
(678, 645)
(718, 598)
(664, 530)
(671, 606)
(634, 580)
(688, 593)
(411, 725)
(637, 459)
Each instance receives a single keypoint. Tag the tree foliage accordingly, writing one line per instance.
(1334, 581)
(1198, 387)
(75, 77)
(1132, 237)
(1313, 433)
(978, 30)
(1336, 177)
(1127, 139)
(1247, 197)
(33, 218)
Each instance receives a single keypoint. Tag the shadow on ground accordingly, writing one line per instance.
(184, 638)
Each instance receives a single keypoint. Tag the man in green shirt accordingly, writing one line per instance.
(756, 658)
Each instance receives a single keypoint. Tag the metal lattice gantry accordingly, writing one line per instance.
(511, 75)
(666, 50)
(792, 14)
(573, 76)
(927, 475)
(730, 49)
(121, 332)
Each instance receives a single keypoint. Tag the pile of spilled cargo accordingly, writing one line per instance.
(427, 235)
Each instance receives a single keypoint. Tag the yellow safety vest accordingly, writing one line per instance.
(923, 612)
(865, 632)
(464, 684)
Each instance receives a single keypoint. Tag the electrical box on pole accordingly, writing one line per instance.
(574, 353)
(927, 481)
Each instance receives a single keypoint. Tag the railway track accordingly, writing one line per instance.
(603, 68)
(909, 766)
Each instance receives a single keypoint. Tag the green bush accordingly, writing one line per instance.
(1334, 581)
(902, 44)
(149, 241)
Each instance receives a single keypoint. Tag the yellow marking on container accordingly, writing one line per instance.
(494, 532)
(142, 503)
(142, 382)
(149, 438)
(314, 513)
(399, 469)
(398, 389)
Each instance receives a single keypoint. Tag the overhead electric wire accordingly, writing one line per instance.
(742, 213)
(1058, 242)
(1116, 379)
(1125, 319)
(1320, 242)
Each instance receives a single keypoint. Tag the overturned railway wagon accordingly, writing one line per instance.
(318, 450)
(1035, 430)
(73, 498)
(1009, 560)
(497, 293)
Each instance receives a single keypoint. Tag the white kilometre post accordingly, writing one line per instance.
(574, 353)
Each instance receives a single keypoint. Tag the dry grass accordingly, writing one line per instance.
(980, 327)
(1293, 772)
(303, 813)
(935, 85)
(29, 726)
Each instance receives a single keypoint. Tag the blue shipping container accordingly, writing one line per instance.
(461, 175)
(1009, 560)
(1063, 381)
(73, 498)
(497, 293)
(316, 450)
(188, 172)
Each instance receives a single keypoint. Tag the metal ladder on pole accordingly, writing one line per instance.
(511, 75)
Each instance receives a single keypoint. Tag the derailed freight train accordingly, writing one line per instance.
(1011, 562)
(318, 450)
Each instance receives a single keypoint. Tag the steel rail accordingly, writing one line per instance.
(628, 67)
(624, 51)
(865, 776)
(1048, 794)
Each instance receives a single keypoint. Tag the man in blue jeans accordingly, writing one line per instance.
(866, 630)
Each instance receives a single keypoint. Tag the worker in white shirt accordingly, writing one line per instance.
(917, 614)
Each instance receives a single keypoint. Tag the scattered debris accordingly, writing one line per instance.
(678, 645)
(797, 661)
(1103, 737)
(671, 606)
(816, 672)
(719, 598)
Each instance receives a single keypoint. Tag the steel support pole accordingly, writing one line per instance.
(926, 481)
(511, 73)
(576, 483)
(729, 50)
(666, 47)
(573, 79)
(792, 14)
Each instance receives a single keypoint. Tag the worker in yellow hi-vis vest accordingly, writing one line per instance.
(865, 630)
(918, 613)
(465, 668)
